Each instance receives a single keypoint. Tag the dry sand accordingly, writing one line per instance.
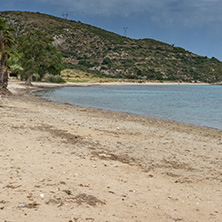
(61, 163)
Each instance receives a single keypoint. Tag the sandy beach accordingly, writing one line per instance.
(63, 163)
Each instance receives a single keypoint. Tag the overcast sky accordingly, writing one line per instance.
(192, 24)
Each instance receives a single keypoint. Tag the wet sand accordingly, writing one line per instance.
(64, 163)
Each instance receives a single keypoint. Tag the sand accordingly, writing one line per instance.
(63, 163)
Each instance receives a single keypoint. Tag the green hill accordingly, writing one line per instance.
(88, 48)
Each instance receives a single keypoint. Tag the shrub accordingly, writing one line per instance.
(96, 63)
(106, 61)
(54, 79)
(36, 77)
(85, 63)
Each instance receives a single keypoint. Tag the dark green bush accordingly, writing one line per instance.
(54, 79)
(107, 61)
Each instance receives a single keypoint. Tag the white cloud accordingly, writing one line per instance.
(165, 12)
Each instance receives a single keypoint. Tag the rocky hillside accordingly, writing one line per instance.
(86, 47)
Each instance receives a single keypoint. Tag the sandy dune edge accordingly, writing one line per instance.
(95, 165)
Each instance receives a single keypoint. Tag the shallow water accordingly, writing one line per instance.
(200, 105)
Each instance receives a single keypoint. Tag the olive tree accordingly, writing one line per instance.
(39, 55)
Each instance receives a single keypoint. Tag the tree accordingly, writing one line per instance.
(13, 61)
(6, 42)
(39, 55)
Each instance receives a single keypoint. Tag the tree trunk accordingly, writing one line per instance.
(28, 81)
(1, 75)
(2, 67)
(5, 80)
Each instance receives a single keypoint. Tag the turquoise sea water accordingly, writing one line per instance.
(199, 105)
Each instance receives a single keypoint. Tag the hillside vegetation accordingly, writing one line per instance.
(90, 49)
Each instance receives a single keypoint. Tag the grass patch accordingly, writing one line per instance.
(74, 75)
(68, 192)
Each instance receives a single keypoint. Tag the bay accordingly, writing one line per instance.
(200, 105)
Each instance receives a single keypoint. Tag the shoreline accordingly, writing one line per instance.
(73, 84)
(39, 86)
(97, 165)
